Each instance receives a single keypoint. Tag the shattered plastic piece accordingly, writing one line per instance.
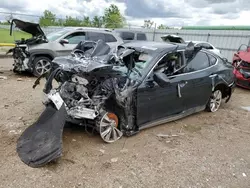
(246, 108)
(19, 79)
(102, 151)
(244, 175)
(114, 160)
(3, 78)
(42, 142)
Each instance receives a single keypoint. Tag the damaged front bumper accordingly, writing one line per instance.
(21, 59)
(242, 78)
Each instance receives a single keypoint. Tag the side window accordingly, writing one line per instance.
(212, 59)
(76, 37)
(95, 36)
(127, 35)
(141, 36)
(199, 62)
(170, 64)
(109, 38)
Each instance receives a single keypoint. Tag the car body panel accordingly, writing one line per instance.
(241, 63)
(208, 46)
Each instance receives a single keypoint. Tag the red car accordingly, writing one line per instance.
(241, 63)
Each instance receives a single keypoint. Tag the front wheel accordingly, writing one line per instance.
(109, 127)
(214, 101)
(41, 65)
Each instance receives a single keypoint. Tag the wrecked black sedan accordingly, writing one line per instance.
(121, 91)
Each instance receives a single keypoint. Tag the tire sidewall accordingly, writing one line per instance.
(208, 108)
(35, 73)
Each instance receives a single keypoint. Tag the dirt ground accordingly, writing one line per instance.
(203, 150)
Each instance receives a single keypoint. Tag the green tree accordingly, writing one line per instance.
(70, 21)
(162, 27)
(113, 17)
(97, 21)
(86, 22)
(48, 19)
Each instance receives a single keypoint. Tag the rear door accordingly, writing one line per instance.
(199, 73)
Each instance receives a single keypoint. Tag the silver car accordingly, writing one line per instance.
(35, 54)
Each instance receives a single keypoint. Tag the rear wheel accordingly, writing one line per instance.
(109, 127)
(41, 65)
(214, 101)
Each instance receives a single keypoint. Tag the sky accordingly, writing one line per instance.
(167, 12)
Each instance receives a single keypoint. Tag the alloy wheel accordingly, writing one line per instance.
(42, 66)
(215, 100)
(109, 128)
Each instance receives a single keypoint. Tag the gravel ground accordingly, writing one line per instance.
(203, 150)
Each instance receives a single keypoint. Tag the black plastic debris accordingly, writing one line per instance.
(42, 142)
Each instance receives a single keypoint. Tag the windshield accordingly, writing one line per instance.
(142, 61)
(55, 35)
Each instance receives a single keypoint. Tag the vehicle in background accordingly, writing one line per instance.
(35, 54)
(172, 39)
(208, 46)
(128, 35)
(241, 63)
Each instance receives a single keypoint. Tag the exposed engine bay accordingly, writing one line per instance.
(95, 90)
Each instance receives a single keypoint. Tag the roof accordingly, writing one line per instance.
(127, 30)
(101, 30)
(155, 45)
(216, 27)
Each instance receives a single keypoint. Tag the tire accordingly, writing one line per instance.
(41, 65)
(214, 101)
(114, 133)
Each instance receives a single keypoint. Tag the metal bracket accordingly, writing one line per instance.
(179, 90)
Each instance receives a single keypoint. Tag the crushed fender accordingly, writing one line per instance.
(42, 142)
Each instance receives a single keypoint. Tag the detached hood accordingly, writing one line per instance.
(32, 28)
(172, 38)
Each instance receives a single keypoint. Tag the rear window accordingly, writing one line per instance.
(95, 36)
(141, 36)
(127, 35)
(110, 38)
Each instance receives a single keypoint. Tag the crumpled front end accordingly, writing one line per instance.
(21, 58)
(93, 91)
(242, 73)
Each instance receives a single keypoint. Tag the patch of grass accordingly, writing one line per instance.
(16, 35)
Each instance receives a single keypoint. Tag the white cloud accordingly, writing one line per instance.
(168, 12)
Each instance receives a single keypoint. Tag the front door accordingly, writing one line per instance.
(157, 100)
(74, 39)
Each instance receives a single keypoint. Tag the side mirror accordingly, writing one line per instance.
(161, 79)
(64, 41)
